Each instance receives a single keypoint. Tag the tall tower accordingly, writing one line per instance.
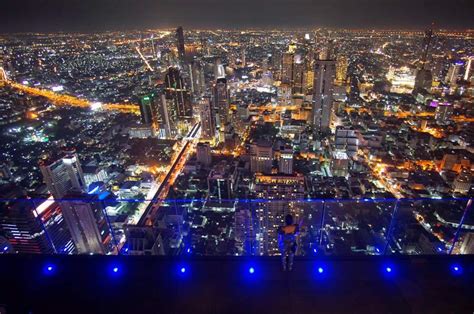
(208, 119)
(323, 87)
(31, 228)
(175, 90)
(87, 221)
(180, 43)
(221, 102)
(287, 68)
(63, 175)
(424, 78)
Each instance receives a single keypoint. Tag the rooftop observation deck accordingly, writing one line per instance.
(153, 284)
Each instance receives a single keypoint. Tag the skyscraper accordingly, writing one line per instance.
(208, 119)
(280, 194)
(424, 78)
(32, 226)
(175, 91)
(63, 175)
(297, 80)
(341, 69)
(148, 110)
(87, 221)
(323, 87)
(221, 102)
(287, 68)
(169, 118)
(180, 43)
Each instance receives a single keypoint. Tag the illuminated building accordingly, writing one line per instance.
(169, 118)
(280, 195)
(462, 183)
(86, 219)
(467, 246)
(443, 113)
(208, 119)
(323, 89)
(261, 157)
(148, 110)
(285, 163)
(245, 232)
(287, 68)
(198, 84)
(63, 175)
(297, 81)
(221, 102)
(180, 43)
(340, 164)
(341, 69)
(467, 72)
(32, 226)
(453, 73)
(220, 182)
(402, 80)
(176, 92)
(347, 140)
(203, 154)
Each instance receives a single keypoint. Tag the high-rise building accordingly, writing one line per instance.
(176, 92)
(32, 226)
(280, 194)
(198, 85)
(221, 102)
(467, 71)
(88, 223)
(323, 88)
(297, 81)
(443, 113)
(63, 175)
(245, 232)
(180, 43)
(203, 154)
(169, 118)
(148, 110)
(341, 69)
(453, 73)
(287, 68)
(285, 163)
(208, 119)
(261, 157)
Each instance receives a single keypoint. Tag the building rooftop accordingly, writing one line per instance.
(126, 284)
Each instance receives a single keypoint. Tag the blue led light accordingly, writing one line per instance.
(5, 248)
(49, 269)
(251, 270)
(115, 269)
(182, 270)
(315, 250)
(456, 269)
(320, 270)
(388, 269)
(188, 250)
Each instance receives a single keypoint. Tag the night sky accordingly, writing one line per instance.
(97, 15)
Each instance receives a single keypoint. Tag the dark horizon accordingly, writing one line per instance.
(115, 15)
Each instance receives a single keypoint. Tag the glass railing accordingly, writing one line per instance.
(101, 224)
